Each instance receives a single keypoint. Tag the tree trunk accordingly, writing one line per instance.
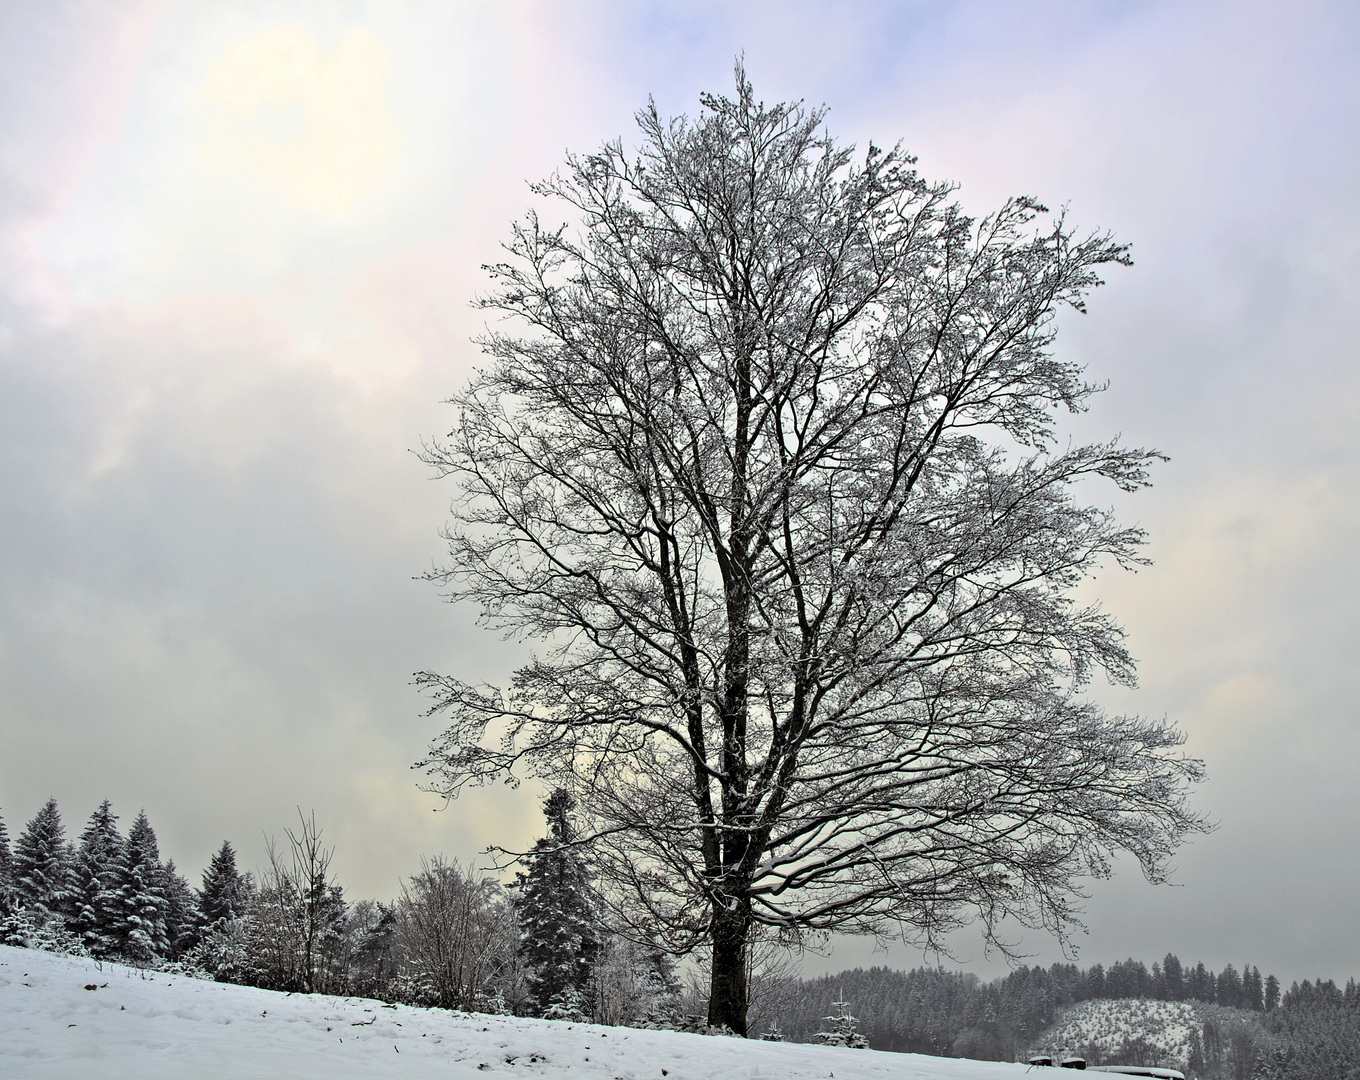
(729, 993)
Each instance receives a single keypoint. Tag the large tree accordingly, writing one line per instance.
(769, 464)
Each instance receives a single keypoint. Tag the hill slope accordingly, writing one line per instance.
(149, 1025)
(1115, 1026)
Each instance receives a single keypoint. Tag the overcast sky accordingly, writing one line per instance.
(237, 245)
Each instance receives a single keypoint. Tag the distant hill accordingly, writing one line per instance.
(1135, 1031)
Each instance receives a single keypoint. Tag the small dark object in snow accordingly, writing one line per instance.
(91, 986)
(70, 1025)
(394, 1047)
(122, 1008)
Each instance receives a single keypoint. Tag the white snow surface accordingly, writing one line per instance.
(148, 1024)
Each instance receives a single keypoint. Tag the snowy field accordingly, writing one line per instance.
(144, 1024)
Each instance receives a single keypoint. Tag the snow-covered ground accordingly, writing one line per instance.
(146, 1025)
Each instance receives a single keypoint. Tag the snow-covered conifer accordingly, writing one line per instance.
(42, 865)
(6, 870)
(373, 962)
(95, 871)
(139, 924)
(226, 892)
(842, 1029)
(182, 929)
(560, 932)
(633, 982)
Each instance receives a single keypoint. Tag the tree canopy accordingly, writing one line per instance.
(765, 455)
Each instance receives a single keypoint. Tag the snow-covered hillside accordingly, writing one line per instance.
(1109, 1025)
(149, 1025)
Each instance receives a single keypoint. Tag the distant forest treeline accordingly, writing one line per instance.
(951, 1013)
(926, 1010)
(457, 939)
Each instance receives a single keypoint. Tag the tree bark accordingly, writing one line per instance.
(729, 992)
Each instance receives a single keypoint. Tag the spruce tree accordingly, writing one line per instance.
(6, 871)
(42, 866)
(1253, 992)
(138, 930)
(842, 1029)
(225, 893)
(96, 870)
(182, 928)
(659, 984)
(1174, 976)
(1230, 988)
(561, 936)
(375, 958)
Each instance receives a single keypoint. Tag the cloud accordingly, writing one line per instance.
(315, 125)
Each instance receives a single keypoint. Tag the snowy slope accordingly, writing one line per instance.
(148, 1025)
(1110, 1023)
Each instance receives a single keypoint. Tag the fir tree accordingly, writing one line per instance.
(96, 870)
(1272, 993)
(1230, 988)
(660, 985)
(375, 958)
(42, 866)
(182, 929)
(139, 925)
(1252, 989)
(561, 937)
(1174, 976)
(6, 871)
(226, 892)
(842, 1028)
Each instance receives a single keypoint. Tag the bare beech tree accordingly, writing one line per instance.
(771, 469)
